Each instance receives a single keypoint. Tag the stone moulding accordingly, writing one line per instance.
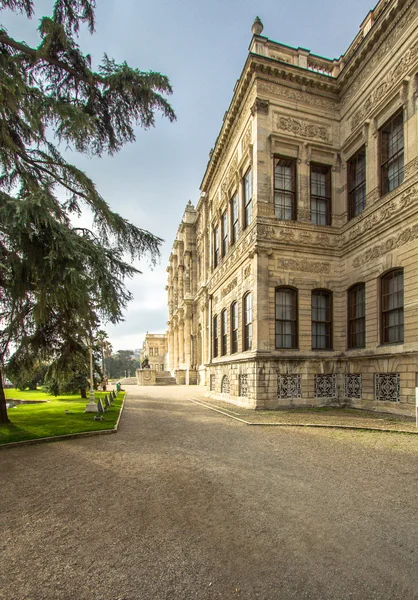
(385, 86)
(305, 266)
(407, 235)
(302, 128)
(296, 95)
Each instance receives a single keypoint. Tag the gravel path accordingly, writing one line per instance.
(184, 503)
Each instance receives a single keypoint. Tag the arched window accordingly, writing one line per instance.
(321, 320)
(356, 303)
(248, 322)
(234, 327)
(392, 307)
(286, 318)
(215, 336)
(224, 332)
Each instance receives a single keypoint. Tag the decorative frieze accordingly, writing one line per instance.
(325, 386)
(404, 237)
(387, 387)
(289, 386)
(303, 129)
(352, 385)
(305, 266)
(228, 288)
(294, 94)
(384, 86)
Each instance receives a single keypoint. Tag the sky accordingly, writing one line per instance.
(202, 47)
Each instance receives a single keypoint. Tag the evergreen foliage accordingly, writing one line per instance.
(55, 278)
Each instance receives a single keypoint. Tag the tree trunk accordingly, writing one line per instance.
(83, 392)
(3, 408)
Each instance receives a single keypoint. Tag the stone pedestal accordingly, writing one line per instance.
(146, 376)
(191, 377)
(180, 375)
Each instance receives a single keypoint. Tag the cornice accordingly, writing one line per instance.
(255, 66)
(385, 23)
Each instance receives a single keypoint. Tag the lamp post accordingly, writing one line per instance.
(91, 407)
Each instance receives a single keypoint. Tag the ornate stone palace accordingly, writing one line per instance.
(295, 279)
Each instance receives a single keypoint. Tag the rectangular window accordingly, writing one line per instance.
(234, 218)
(356, 173)
(357, 316)
(321, 320)
(392, 307)
(285, 189)
(162, 367)
(156, 352)
(224, 334)
(320, 195)
(234, 327)
(216, 246)
(392, 154)
(215, 336)
(224, 221)
(286, 318)
(151, 351)
(248, 198)
(248, 322)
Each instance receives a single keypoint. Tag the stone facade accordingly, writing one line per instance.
(295, 279)
(155, 348)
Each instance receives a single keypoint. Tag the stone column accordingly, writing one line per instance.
(181, 342)
(187, 336)
(175, 358)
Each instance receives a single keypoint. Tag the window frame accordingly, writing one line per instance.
(216, 246)
(353, 187)
(234, 320)
(224, 332)
(215, 335)
(384, 313)
(352, 320)
(277, 190)
(224, 233)
(328, 322)
(234, 222)
(294, 321)
(248, 203)
(247, 324)
(386, 161)
(324, 170)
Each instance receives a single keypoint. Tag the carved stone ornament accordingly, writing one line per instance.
(246, 139)
(228, 288)
(302, 128)
(247, 272)
(304, 266)
(407, 235)
(260, 106)
(291, 93)
(385, 86)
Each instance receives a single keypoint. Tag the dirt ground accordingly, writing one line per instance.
(185, 503)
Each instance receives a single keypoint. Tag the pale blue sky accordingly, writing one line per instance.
(201, 47)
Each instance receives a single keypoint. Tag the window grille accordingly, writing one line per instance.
(387, 387)
(289, 386)
(325, 386)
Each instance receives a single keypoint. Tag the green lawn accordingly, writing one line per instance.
(34, 421)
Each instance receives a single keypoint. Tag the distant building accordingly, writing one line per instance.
(295, 279)
(155, 349)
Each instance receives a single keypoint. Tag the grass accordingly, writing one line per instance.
(49, 419)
